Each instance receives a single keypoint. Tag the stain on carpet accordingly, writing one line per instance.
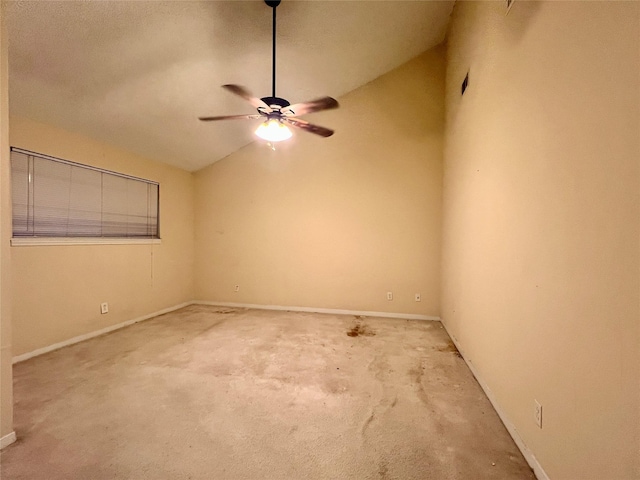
(451, 348)
(360, 329)
(416, 374)
(366, 423)
(383, 469)
(211, 327)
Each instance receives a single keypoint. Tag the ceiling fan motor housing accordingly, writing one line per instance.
(276, 104)
(280, 102)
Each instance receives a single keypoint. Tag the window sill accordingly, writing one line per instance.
(33, 241)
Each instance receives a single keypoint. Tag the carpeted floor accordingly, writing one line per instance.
(218, 393)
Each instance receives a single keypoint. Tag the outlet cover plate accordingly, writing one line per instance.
(537, 413)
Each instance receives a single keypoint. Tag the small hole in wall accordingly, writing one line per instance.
(465, 83)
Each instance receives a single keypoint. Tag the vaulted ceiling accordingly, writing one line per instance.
(138, 74)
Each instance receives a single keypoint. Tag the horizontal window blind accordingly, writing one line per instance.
(58, 198)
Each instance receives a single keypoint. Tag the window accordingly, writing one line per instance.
(58, 198)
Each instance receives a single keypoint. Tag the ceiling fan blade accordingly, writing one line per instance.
(324, 103)
(245, 94)
(309, 127)
(230, 117)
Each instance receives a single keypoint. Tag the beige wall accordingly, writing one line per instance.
(542, 223)
(337, 222)
(6, 384)
(58, 289)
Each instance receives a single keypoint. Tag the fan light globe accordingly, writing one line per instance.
(273, 131)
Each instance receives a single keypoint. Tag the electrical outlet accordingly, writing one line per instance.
(236, 288)
(104, 308)
(537, 413)
(389, 296)
(417, 297)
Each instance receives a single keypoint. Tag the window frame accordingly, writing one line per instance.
(32, 240)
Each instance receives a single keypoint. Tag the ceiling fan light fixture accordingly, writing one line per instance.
(273, 130)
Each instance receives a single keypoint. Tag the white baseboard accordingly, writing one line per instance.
(7, 440)
(406, 316)
(526, 452)
(86, 336)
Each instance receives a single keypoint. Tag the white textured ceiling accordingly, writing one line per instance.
(137, 74)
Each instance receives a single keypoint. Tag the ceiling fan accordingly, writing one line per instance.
(278, 112)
